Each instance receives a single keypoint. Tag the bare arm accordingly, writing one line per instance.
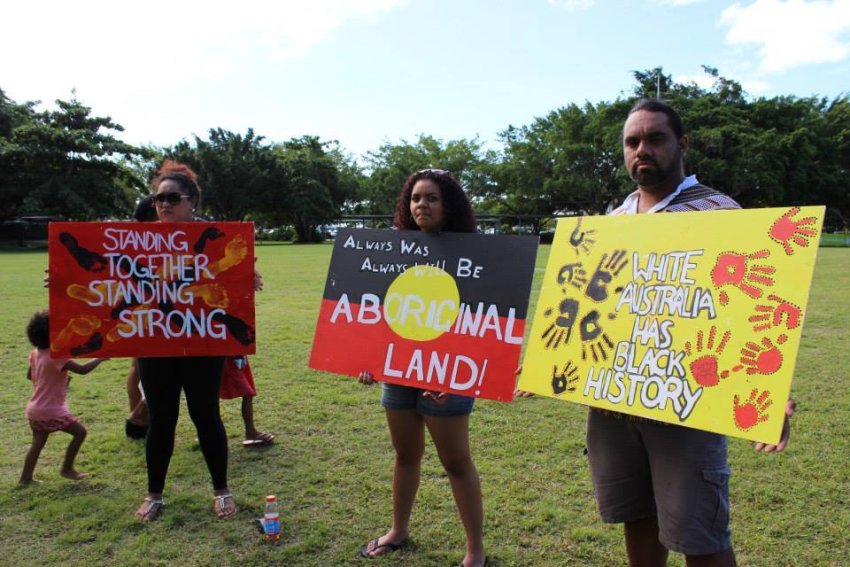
(29, 373)
(85, 368)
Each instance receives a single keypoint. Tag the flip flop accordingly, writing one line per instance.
(262, 439)
(373, 545)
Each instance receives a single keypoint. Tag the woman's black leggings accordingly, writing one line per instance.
(200, 377)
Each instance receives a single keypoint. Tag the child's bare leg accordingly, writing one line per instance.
(251, 431)
(78, 431)
(39, 439)
(133, 393)
(248, 417)
(139, 415)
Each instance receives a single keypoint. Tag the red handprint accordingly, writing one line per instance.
(785, 230)
(768, 316)
(732, 268)
(764, 358)
(751, 412)
(704, 368)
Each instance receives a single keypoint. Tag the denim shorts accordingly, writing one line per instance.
(397, 397)
(645, 469)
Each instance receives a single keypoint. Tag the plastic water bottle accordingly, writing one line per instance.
(271, 519)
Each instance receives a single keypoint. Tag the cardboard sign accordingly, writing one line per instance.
(439, 312)
(687, 318)
(151, 289)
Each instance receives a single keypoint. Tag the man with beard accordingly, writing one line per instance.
(668, 485)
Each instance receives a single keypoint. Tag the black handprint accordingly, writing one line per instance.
(580, 240)
(211, 233)
(597, 289)
(573, 274)
(565, 380)
(88, 260)
(561, 330)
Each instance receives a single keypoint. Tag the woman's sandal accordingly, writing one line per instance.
(220, 505)
(151, 509)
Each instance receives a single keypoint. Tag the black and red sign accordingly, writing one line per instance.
(441, 312)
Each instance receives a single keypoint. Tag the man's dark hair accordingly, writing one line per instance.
(655, 105)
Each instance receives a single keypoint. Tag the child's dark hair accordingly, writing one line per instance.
(38, 330)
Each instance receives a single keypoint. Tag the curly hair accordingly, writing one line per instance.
(38, 329)
(182, 175)
(457, 209)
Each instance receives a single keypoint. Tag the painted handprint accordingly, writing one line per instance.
(234, 252)
(767, 316)
(560, 331)
(785, 230)
(752, 411)
(608, 269)
(572, 274)
(704, 368)
(581, 240)
(239, 330)
(213, 295)
(764, 358)
(732, 268)
(564, 380)
(91, 345)
(88, 260)
(82, 325)
(211, 233)
(593, 339)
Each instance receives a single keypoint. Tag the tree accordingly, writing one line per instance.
(64, 162)
(234, 172)
(391, 164)
(319, 180)
(564, 163)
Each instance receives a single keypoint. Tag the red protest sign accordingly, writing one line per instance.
(155, 289)
(439, 312)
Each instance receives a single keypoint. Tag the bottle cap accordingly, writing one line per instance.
(270, 498)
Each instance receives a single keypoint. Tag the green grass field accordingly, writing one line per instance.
(331, 464)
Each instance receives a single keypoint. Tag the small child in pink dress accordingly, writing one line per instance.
(47, 410)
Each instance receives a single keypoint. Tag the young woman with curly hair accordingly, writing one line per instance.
(431, 200)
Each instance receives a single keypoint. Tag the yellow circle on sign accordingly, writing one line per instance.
(422, 303)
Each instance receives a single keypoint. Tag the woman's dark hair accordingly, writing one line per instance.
(655, 105)
(38, 330)
(181, 174)
(457, 211)
(145, 210)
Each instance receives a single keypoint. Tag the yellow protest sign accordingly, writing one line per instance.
(687, 318)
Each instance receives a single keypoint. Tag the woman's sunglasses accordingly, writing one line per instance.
(171, 198)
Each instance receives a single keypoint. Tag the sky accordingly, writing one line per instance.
(369, 72)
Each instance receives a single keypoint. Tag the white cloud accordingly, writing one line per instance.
(756, 87)
(791, 33)
(704, 81)
(572, 4)
(99, 45)
(677, 2)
